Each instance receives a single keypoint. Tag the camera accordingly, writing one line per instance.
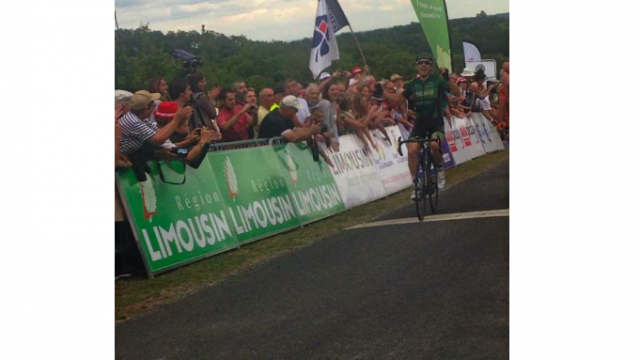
(190, 62)
(181, 152)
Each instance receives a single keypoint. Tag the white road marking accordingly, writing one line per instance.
(430, 218)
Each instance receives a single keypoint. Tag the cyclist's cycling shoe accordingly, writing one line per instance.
(441, 178)
(414, 196)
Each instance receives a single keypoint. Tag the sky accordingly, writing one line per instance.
(284, 20)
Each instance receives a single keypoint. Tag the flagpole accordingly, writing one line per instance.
(446, 13)
(358, 44)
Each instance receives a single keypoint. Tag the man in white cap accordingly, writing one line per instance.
(279, 122)
(467, 73)
(136, 129)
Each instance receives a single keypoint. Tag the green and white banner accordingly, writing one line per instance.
(432, 15)
(234, 197)
(177, 224)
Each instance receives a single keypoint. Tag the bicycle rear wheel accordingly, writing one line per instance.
(432, 186)
(419, 186)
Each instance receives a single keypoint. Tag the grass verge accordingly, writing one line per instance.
(134, 296)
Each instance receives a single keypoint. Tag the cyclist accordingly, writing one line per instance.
(425, 94)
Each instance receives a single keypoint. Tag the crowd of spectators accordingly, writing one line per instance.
(480, 94)
(179, 120)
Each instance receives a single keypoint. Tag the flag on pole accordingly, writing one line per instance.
(471, 52)
(324, 47)
(336, 15)
(432, 15)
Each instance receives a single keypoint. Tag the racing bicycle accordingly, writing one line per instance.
(425, 183)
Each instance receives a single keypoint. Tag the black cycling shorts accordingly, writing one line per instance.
(423, 128)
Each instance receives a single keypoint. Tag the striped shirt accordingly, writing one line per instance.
(135, 132)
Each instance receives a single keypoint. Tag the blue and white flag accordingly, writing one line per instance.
(324, 47)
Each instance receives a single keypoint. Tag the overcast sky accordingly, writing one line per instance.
(279, 19)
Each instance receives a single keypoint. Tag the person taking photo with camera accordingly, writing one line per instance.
(195, 146)
(234, 120)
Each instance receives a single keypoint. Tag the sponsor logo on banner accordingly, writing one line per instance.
(392, 168)
(355, 172)
(232, 180)
(465, 135)
(451, 141)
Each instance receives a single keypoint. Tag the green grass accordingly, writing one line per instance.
(136, 295)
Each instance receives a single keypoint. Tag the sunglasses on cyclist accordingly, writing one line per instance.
(424, 62)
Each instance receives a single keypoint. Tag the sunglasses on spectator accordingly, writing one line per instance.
(424, 63)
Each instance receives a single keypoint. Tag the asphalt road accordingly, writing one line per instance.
(432, 290)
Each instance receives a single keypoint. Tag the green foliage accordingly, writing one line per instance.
(142, 53)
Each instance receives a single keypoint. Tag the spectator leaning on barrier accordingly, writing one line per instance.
(323, 139)
(292, 87)
(398, 111)
(480, 104)
(313, 99)
(136, 130)
(122, 106)
(234, 120)
(279, 122)
(197, 143)
(331, 94)
(266, 97)
(204, 110)
(353, 113)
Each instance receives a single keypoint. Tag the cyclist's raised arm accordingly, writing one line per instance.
(452, 87)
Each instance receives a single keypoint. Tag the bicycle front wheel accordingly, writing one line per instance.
(419, 185)
(432, 186)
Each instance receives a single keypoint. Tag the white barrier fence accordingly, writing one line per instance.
(363, 176)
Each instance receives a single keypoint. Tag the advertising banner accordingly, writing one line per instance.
(454, 140)
(256, 190)
(432, 15)
(177, 224)
(476, 148)
(392, 168)
(355, 172)
(492, 132)
(447, 157)
(471, 51)
(484, 132)
(314, 191)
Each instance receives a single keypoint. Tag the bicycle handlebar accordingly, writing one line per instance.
(422, 141)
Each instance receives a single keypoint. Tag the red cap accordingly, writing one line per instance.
(166, 110)
(356, 69)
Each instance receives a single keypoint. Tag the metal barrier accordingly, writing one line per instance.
(238, 145)
(277, 141)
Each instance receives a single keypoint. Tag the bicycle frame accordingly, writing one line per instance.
(425, 183)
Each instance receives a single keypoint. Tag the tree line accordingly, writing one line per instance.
(143, 53)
